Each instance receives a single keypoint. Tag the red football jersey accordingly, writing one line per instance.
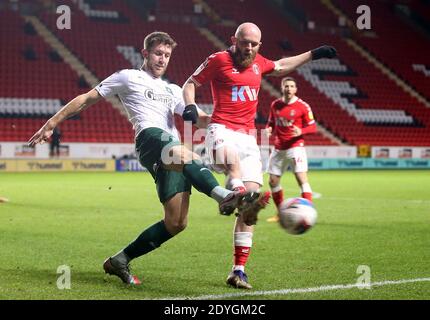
(234, 90)
(284, 116)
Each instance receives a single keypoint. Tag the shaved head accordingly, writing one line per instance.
(246, 43)
(248, 29)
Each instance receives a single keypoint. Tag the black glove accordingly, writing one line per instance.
(324, 52)
(190, 113)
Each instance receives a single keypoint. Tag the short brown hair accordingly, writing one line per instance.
(158, 37)
(288, 79)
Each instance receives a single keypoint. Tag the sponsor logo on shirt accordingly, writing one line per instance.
(243, 93)
(282, 122)
(163, 98)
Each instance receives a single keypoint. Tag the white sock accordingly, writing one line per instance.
(236, 183)
(219, 193)
(306, 188)
(243, 239)
(276, 189)
(241, 268)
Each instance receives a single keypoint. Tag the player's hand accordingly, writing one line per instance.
(40, 136)
(297, 131)
(190, 113)
(324, 52)
(268, 132)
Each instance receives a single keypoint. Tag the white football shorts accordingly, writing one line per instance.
(282, 160)
(218, 136)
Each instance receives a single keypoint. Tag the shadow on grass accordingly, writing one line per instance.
(42, 284)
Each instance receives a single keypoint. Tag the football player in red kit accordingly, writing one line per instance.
(290, 118)
(235, 78)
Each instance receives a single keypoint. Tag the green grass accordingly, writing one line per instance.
(376, 218)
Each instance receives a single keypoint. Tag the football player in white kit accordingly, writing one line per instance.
(150, 103)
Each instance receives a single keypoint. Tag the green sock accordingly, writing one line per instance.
(200, 177)
(148, 240)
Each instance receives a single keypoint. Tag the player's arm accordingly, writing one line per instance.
(311, 128)
(72, 108)
(270, 125)
(192, 112)
(308, 119)
(289, 64)
(203, 74)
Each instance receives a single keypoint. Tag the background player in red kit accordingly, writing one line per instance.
(235, 77)
(290, 118)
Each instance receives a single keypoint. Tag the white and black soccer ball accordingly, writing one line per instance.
(297, 215)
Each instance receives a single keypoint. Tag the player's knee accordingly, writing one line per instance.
(273, 182)
(189, 156)
(177, 226)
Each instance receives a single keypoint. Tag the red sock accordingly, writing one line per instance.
(278, 197)
(241, 255)
(307, 195)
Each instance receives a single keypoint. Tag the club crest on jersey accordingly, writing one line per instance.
(256, 69)
(292, 113)
(169, 90)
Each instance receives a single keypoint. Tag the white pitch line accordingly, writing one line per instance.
(299, 290)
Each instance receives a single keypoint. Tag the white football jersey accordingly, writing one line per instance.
(148, 101)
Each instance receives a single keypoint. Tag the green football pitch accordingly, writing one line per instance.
(372, 226)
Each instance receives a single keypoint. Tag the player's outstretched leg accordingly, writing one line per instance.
(203, 180)
(150, 239)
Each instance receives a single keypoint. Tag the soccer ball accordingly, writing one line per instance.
(297, 215)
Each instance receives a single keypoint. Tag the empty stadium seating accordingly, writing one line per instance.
(399, 50)
(373, 89)
(349, 96)
(420, 9)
